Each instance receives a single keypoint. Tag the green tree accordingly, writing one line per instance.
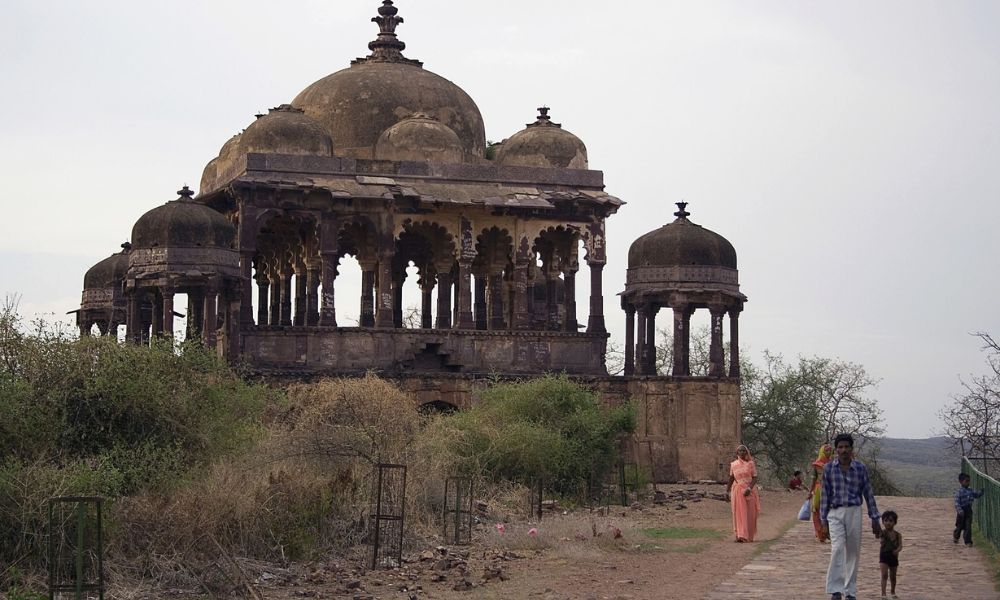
(973, 419)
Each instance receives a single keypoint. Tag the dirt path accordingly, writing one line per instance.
(930, 566)
(566, 561)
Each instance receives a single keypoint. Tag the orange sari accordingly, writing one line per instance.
(825, 455)
(745, 507)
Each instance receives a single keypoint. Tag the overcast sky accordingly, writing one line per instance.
(849, 150)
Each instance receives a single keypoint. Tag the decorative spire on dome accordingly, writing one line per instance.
(544, 120)
(185, 193)
(682, 214)
(387, 47)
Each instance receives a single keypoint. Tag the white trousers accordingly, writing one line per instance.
(845, 548)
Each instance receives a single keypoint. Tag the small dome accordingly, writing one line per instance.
(422, 138)
(681, 243)
(110, 272)
(284, 130)
(543, 144)
(183, 223)
(357, 104)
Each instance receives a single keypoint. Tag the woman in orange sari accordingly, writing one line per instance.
(815, 489)
(743, 497)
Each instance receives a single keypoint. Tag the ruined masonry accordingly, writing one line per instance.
(387, 163)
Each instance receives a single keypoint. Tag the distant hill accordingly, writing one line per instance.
(921, 467)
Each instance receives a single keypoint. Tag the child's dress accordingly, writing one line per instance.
(889, 544)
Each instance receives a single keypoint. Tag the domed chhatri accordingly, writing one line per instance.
(681, 266)
(183, 223)
(103, 301)
(681, 243)
(544, 144)
(358, 103)
(419, 138)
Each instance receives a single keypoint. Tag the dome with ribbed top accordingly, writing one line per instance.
(544, 144)
(183, 223)
(357, 104)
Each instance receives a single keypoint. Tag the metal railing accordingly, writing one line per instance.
(986, 511)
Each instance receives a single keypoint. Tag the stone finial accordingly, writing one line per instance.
(185, 193)
(544, 120)
(126, 246)
(681, 213)
(387, 47)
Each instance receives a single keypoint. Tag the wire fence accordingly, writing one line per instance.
(987, 508)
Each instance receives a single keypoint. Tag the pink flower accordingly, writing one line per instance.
(533, 532)
(500, 528)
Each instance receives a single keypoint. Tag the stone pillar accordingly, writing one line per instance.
(715, 359)
(595, 322)
(465, 320)
(286, 295)
(300, 294)
(398, 279)
(444, 301)
(426, 302)
(650, 341)
(734, 342)
(85, 328)
(102, 328)
(312, 294)
(495, 291)
(367, 303)
(640, 342)
(196, 314)
(629, 340)
(551, 306)
(384, 296)
(522, 314)
(233, 328)
(682, 316)
(208, 336)
(328, 276)
(157, 316)
(275, 303)
(246, 288)
(480, 307)
(168, 311)
(263, 285)
(569, 301)
(132, 318)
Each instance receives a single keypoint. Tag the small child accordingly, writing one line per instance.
(795, 483)
(888, 556)
(963, 509)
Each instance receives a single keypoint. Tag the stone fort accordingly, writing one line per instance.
(386, 163)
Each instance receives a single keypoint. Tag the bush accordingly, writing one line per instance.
(94, 417)
(548, 427)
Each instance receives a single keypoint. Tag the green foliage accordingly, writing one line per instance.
(94, 417)
(548, 427)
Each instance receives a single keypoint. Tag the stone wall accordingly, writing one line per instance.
(319, 350)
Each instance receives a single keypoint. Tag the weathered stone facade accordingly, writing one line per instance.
(387, 163)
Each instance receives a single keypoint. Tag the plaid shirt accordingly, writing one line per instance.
(846, 489)
(964, 497)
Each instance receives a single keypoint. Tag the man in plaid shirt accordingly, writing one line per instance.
(845, 485)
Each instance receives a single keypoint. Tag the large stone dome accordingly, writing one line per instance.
(543, 144)
(355, 105)
(681, 243)
(183, 223)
